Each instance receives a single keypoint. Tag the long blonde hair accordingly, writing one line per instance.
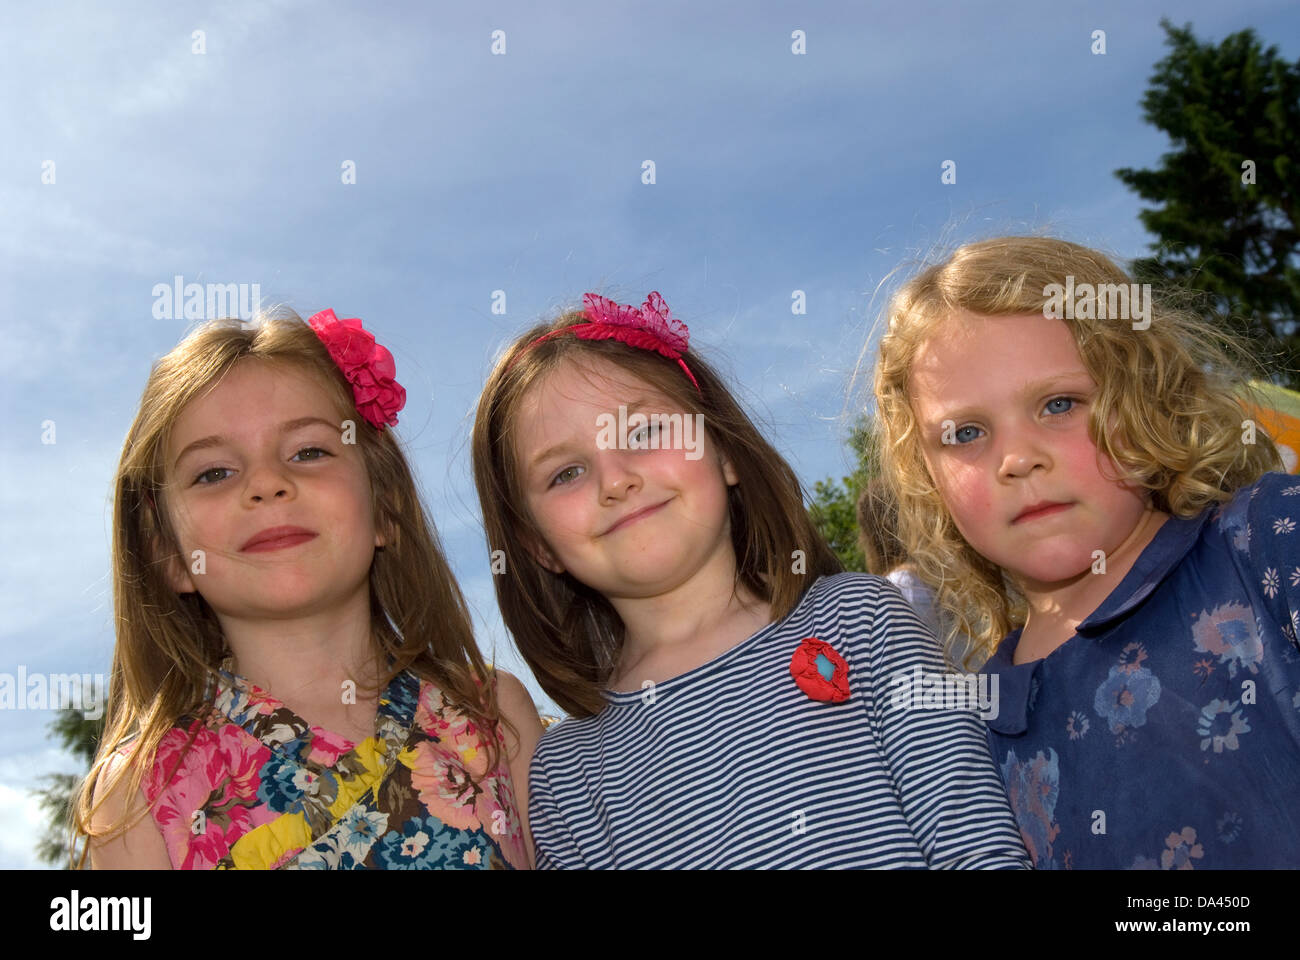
(1174, 389)
(569, 634)
(169, 645)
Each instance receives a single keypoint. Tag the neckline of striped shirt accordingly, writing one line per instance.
(634, 697)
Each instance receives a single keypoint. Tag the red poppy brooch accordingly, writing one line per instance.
(819, 671)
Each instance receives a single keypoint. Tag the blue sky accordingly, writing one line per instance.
(518, 172)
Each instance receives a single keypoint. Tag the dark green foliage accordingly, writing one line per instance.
(834, 507)
(79, 736)
(1235, 242)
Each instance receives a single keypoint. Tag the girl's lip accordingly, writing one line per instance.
(277, 538)
(634, 517)
(1044, 511)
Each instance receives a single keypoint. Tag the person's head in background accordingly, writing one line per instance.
(878, 528)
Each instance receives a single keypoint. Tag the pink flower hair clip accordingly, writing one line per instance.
(651, 327)
(366, 365)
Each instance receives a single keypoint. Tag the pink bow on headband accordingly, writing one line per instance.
(652, 322)
(650, 328)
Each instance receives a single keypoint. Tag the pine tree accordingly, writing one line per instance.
(80, 737)
(1225, 214)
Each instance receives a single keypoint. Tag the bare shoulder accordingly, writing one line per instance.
(141, 847)
(516, 705)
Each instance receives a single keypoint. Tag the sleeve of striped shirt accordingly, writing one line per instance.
(552, 842)
(939, 758)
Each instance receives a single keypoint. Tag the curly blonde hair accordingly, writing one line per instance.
(1175, 391)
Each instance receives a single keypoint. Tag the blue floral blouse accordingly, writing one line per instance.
(1165, 734)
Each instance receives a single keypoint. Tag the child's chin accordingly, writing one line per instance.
(1056, 572)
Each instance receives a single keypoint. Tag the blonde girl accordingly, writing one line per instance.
(1078, 477)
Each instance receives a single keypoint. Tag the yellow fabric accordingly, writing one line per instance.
(370, 753)
(261, 847)
(264, 845)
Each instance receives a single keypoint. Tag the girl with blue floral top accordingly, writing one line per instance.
(1108, 531)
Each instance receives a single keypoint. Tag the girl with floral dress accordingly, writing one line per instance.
(295, 682)
(1092, 504)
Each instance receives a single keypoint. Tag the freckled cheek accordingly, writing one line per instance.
(341, 506)
(704, 482)
(695, 473)
(559, 517)
(196, 525)
(966, 492)
(1085, 464)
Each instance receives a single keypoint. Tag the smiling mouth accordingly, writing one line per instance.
(634, 517)
(280, 543)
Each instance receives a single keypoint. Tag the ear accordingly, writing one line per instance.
(175, 572)
(729, 473)
(384, 535)
(541, 553)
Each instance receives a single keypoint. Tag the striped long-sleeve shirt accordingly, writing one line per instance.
(731, 765)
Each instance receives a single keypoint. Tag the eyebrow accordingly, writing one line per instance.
(547, 454)
(1038, 386)
(216, 440)
(565, 444)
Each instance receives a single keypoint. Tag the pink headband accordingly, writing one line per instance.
(650, 328)
(368, 367)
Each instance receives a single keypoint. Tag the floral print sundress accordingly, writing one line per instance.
(260, 788)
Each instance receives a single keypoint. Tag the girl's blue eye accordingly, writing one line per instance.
(559, 477)
(1052, 408)
(966, 434)
(310, 450)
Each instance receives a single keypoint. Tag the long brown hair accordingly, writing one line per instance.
(169, 645)
(1175, 391)
(571, 635)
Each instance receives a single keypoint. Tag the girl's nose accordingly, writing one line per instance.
(268, 482)
(617, 478)
(1021, 457)
(279, 493)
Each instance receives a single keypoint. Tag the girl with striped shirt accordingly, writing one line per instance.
(734, 698)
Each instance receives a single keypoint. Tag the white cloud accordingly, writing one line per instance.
(22, 821)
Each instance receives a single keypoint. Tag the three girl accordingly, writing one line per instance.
(1092, 503)
(735, 698)
(295, 682)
